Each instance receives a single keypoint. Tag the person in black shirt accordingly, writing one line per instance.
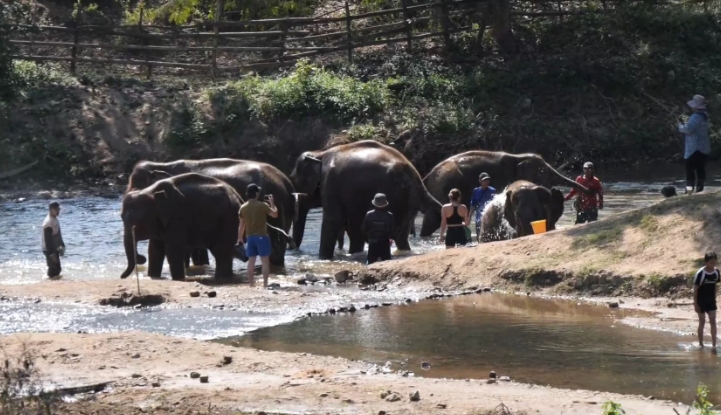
(704, 296)
(378, 227)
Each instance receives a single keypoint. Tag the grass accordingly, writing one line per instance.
(649, 224)
(21, 387)
(598, 239)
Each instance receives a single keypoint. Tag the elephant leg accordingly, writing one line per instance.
(401, 240)
(156, 257)
(176, 254)
(357, 239)
(341, 239)
(200, 257)
(223, 261)
(329, 231)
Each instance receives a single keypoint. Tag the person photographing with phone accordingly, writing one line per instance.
(697, 144)
(253, 225)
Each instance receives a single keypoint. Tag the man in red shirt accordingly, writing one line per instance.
(587, 204)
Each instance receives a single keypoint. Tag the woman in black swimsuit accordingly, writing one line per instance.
(454, 217)
(704, 296)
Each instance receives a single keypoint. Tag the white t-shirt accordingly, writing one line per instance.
(52, 223)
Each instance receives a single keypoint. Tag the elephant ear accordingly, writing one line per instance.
(557, 202)
(167, 200)
(508, 211)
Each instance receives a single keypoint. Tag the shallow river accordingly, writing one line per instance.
(541, 342)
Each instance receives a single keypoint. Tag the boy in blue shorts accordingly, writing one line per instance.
(253, 222)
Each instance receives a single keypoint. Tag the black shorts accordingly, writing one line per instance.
(456, 236)
(378, 251)
(707, 305)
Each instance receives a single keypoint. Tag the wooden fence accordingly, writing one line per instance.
(233, 46)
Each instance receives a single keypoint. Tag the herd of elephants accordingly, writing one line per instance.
(185, 208)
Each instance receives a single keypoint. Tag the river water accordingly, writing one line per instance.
(570, 346)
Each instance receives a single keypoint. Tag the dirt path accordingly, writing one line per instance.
(274, 382)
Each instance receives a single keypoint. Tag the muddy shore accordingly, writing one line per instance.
(151, 373)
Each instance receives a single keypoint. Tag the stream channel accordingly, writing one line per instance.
(545, 342)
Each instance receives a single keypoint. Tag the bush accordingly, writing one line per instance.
(21, 388)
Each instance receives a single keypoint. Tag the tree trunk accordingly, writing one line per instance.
(501, 26)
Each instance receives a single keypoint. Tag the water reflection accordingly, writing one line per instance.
(559, 343)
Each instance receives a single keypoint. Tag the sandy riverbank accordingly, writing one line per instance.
(273, 382)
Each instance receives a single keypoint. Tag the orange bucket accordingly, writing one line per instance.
(539, 226)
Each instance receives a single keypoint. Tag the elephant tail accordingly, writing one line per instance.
(429, 204)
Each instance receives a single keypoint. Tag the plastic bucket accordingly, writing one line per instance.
(539, 226)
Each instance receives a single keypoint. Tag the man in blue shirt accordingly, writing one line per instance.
(481, 196)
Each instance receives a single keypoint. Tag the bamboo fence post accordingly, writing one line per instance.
(76, 38)
(445, 23)
(284, 28)
(144, 41)
(348, 21)
(409, 29)
(218, 12)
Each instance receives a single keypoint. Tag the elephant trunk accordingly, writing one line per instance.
(130, 251)
(431, 209)
(299, 224)
(561, 180)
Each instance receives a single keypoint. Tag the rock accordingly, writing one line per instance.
(212, 294)
(486, 289)
(381, 412)
(204, 379)
(441, 406)
(155, 384)
(408, 301)
(227, 360)
(393, 397)
(323, 395)
(504, 379)
(425, 365)
(136, 356)
(342, 309)
(273, 286)
(194, 294)
(490, 381)
(415, 396)
(613, 304)
(45, 195)
(342, 276)
(194, 375)
(351, 309)
(331, 310)
(136, 376)
(367, 307)
(492, 375)
(348, 401)
(311, 278)
(387, 304)
(385, 394)
(301, 281)
(367, 280)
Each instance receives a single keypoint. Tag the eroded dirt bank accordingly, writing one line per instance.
(151, 374)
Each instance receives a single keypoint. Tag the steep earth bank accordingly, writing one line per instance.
(649, 252)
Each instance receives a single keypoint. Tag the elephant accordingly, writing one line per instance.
(345, 179)
(462, 170)
(238, 174)
(179, 213)
(527, 202)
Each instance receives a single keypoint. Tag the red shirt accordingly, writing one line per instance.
(592, 200)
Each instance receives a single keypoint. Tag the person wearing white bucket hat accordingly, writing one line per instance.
(378, 226)
(697, 145)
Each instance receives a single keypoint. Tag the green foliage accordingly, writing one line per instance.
(613, 408)
(11, 14)
(186, 11)
(701, 403)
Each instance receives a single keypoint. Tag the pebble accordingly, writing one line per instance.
(194, 294)
(490, 381)
(381, 412)
(323, 395)
(136, 376)
(227, 360)
(204, 379)
(136, 356)
(387, 304)
(492, 375)
(212, 294)
(348, 401)
(415, 396)
(155, 384)
(194, 375)
(441, 406)
(504, 379)
(613, 305)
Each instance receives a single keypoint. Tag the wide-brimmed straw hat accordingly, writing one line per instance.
(380, 200)
(698, 102)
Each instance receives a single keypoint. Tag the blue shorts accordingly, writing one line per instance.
(257, 246)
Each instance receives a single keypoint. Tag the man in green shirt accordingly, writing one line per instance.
(253, 223)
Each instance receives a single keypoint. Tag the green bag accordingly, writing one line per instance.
(468, 233)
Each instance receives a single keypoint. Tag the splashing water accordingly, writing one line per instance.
(495, 207)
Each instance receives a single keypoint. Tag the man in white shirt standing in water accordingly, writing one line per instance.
(53, 245)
